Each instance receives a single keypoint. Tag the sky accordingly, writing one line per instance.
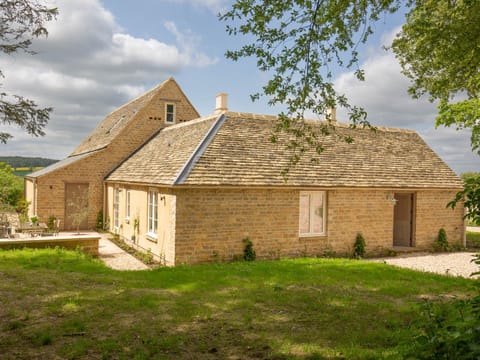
(102, 53)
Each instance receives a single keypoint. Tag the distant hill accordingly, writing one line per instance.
(20, 161)
(23, 166)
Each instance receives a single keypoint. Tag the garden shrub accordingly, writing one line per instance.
(22, 210)
(248, 252)
(446, 330)
(359, 247)
(441, 244)
(51, 222)
(99, 224)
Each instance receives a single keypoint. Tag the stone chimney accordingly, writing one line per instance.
(221, 103)
(331, 113)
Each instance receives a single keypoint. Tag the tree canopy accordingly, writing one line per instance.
(21, 22)
(302, 44)
(439, 50)
(11, 187)
(470, 195)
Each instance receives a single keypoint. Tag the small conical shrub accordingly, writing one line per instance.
(359, 247)
(248, 253)
(442, 242)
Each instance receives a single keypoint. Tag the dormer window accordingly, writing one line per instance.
(170, 113)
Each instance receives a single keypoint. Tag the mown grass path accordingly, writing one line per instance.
(61, 304)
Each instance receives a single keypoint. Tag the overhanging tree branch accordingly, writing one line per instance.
(20, 22)
(297, 43)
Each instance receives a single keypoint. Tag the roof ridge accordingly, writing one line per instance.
(171, 78)
(189, 122)
(142, 95)
(334, 124)
(199, 150)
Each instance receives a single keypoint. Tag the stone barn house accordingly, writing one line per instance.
(194, 191)
(78, 181)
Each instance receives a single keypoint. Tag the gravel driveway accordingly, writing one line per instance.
(454, 264)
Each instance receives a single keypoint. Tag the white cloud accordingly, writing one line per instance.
(127, 50)
(384, 94)
(85, 68)
(188, 42)
(215, 6)
(387, 38)
(453, 147)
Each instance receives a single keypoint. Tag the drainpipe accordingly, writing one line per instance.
(104, 210)
(34, 205)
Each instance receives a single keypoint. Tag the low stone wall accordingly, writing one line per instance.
(88, 243)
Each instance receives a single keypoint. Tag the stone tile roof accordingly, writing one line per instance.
(162, 159)
(241, 154)
(59, 164)
(114, 122)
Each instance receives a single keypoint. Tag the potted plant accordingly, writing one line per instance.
(34, 220)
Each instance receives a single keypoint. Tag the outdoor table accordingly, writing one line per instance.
(33, 229)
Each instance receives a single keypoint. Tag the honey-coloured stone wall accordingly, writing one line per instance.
(47, 193)
(199, 225)
(211, 223)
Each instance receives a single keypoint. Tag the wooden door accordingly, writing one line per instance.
(76, 206)
(403, 220)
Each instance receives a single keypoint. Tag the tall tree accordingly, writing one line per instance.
(439, 50)
(20, 22)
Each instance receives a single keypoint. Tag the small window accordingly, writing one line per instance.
(116, 206)
(312, 213)
(152, 213)
(170, 113)
(127, 204)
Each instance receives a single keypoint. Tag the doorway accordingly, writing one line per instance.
(403, 219)
(76, 206)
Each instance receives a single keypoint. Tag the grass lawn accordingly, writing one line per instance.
(62, 304)
(473, 240)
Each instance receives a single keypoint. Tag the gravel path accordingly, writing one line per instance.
(116, 258)
(454, 264)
